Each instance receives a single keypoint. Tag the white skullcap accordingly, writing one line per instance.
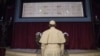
(52, 22)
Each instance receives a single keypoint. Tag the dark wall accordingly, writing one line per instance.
(96, 17)
(6, 16)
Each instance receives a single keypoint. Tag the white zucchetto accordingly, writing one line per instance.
(52, 22)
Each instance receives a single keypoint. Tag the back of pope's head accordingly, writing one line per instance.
(52, 23)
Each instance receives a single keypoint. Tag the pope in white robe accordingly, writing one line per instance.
(52, 41)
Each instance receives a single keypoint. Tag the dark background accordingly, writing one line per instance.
(7, 8)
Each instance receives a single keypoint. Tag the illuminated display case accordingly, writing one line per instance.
(43, 11)
(53, 9)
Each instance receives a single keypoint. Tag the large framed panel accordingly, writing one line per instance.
(68, 11)
(53, 9)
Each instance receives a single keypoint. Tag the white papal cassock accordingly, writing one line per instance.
(52, 42)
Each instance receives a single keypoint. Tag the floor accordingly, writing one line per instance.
(34, 52)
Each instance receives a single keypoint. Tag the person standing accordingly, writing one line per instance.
(52, 41)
